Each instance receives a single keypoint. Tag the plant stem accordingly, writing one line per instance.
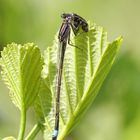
(22, 123)
(33, 132)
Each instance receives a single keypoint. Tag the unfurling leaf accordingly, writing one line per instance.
(84, 71)
(21, 71)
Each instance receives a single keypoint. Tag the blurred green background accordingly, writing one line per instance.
(115, 114)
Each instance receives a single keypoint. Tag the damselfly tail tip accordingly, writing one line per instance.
(55, 134)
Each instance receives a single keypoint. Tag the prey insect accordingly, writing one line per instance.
(74, 22)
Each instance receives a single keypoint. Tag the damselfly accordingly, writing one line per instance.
(74, 22)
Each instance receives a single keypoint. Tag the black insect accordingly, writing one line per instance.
(74, 22)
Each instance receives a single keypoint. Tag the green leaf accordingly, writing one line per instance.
(43, 103)
(9, 138)
(21, 71)
(83, 74)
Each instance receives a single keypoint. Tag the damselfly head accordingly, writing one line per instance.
(66, 15)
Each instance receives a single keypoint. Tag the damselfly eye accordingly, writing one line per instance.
(63, 15)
